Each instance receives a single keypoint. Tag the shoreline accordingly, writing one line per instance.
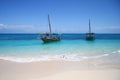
(57, 70)
(62, 57)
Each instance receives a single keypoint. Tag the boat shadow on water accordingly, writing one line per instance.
(52, 42)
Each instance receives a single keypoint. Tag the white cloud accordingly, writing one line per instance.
(112, 27)
(108, 29)
(44, 28)
(2, 26)
(22, 28)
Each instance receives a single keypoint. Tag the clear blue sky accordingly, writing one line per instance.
(67, 16)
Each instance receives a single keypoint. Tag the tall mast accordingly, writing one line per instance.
(89, 27)
(49, 26)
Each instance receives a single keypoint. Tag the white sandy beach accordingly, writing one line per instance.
(57, 70)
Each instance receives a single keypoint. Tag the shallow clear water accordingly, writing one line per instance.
(27, 50)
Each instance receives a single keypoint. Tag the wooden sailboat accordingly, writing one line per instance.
(50, 37)
(90, 35)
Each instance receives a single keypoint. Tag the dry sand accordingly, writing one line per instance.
(57, 70)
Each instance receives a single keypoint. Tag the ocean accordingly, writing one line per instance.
(72, 47)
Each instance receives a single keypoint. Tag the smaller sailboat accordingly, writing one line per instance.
(50, 37)
(90, 35)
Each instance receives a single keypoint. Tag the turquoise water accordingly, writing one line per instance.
(70, 50)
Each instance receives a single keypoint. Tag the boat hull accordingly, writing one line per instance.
(47, 40)
(90, 36)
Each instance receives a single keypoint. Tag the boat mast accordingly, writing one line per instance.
(89, 27)
(49, 26)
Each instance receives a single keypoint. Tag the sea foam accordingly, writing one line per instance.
(51, 57)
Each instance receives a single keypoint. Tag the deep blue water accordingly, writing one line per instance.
(64, 36)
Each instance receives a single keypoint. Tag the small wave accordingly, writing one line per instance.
(118, 51)
(50, 57)
(99, 56)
